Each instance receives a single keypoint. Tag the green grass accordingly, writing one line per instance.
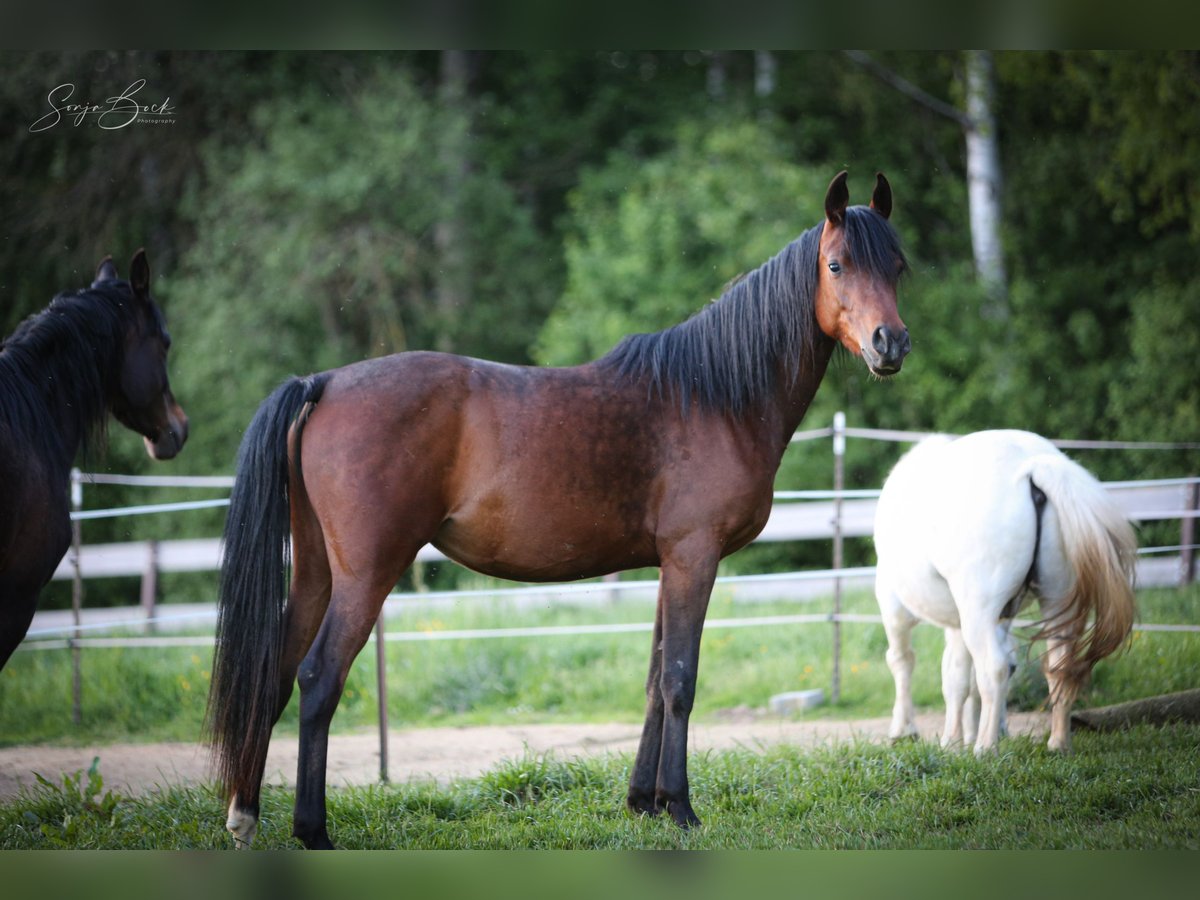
(159, 694)
(1133, 790)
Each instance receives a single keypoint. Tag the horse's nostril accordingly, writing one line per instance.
(880, 340)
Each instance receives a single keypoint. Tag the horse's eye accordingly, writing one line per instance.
(835, 267)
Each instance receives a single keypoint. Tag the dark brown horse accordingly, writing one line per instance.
(62, 371)
(662, 453)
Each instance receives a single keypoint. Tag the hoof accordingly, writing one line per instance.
(316, 840)
(319, 843)
(683, 815)
(907, 737)
(242, 826)
(640, 804)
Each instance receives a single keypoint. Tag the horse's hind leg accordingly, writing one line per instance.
(353, 610)
(308, 598)
(898, 622)
(986, 640)
(1063, 688)
(973, 707)
(957, 687)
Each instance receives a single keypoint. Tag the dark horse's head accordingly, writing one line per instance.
(140, 393)
(860, 262)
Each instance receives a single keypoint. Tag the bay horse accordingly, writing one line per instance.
(92, 351)
(967, 532)
(661, 453)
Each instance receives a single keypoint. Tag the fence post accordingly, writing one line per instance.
(76, 599)
(381, 682)
(150, 585)
(1187, 536)
(839, 454)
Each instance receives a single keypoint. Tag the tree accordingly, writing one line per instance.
(316, 247)
(984, 177)
(651, 240)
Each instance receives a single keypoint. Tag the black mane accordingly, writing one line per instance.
(729, 355)
(57, 368)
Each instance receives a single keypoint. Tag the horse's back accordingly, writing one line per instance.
(956, 516)
(525, 472)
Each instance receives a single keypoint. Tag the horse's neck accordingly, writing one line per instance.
(63, 388)
(793, 396)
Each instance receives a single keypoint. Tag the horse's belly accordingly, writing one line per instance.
(542, 551)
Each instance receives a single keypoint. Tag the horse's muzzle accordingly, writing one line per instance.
(888, 348)
(170, 440)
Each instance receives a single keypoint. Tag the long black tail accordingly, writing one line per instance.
(244, 694)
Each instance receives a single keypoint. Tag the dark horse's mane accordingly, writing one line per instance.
(729, 355)
(72, 348)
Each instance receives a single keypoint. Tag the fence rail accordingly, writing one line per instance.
(796, 515)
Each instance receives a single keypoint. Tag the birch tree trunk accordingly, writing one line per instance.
(453, 284)
(765, 67)
(984, 182)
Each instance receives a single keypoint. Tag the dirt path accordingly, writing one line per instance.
(438, 753)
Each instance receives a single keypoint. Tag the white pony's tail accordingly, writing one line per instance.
(1101, 551)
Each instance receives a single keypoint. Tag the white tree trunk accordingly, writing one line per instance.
(765, 67)
(452, 291)
(715, 76)
(984, 177)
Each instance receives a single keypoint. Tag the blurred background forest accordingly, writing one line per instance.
(306, 210)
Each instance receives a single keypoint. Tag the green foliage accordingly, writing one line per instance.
(317, 247)
(64, 812)
(1150, 105)
(310, 209)
(1156, 393)
(652, 240)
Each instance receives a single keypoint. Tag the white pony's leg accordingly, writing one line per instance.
(970, 716)
(1054, 584)
(956, 686)
(242, 824)
(898, 622)
(1010, 648)
(1062, 696)
(985, 641)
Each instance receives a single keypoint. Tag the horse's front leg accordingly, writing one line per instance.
(645, 767)
(687, 579)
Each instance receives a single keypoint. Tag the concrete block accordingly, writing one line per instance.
(795, 701)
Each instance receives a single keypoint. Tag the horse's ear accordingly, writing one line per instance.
(105, 271)
(836, 199)
(139, 274)
(881, 200)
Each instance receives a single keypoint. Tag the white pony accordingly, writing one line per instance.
(966, 530)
